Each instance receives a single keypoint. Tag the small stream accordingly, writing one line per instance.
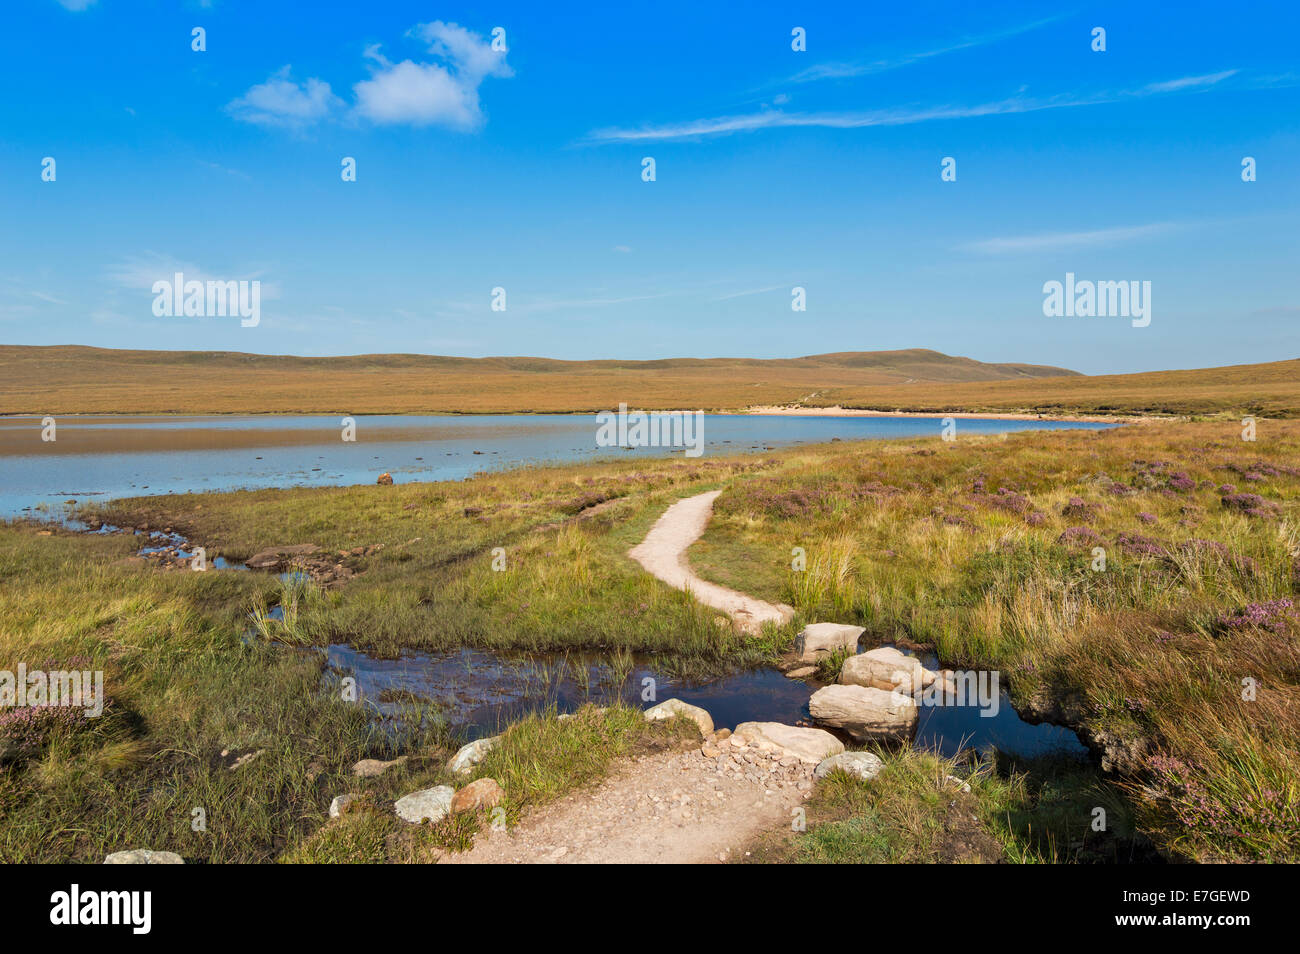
(480, 693)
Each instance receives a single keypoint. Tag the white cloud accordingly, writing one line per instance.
(1055, 241)
(847, 70)
(282, 102)
(775, 118)
(436, 93)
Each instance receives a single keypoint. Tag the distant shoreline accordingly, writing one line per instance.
(837, 411)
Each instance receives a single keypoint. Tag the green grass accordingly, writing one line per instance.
(917, 811)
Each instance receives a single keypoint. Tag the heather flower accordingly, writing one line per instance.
(1272, 615)
(1252, 505)
(1078, 509)
(1146, 517)
(1079, 537)
(1139, 545)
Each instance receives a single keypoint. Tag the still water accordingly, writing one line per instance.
(100, 458)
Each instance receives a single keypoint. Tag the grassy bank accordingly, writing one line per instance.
(222, 749)
(923, 809)
(426, 580)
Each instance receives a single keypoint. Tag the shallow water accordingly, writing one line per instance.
(481, 693)
(98, 458)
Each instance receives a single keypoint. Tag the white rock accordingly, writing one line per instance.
(863, 765)
(806, 744)
(884, 668)
(341, 803)
(818, 640)
(675, 707)
(143, 856)
(463, 762)
(866, 713)
(431, 803)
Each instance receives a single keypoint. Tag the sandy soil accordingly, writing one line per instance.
(663, 554)
(676, 807)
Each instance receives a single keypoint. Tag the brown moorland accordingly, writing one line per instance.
(75, 379)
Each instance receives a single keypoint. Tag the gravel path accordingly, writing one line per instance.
(663, 554)
(686, 806)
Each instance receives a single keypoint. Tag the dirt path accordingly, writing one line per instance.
(663, 554)
(685, 806)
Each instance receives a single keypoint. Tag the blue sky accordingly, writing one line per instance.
(774, 169)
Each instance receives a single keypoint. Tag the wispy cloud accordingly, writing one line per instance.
(1056, 241)
(139, 273)
(1186, 82)
(282, 102)
(823, 71)
(903, 116)
(752, 291)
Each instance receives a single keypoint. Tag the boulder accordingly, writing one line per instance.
(340, 804)
(480, 793)
(885, 668)
(803, 672)
(861, 765)
(805, 744)
(819, 640)
(143, 856)
(431, 803)
(675, 707)
(385, 479)
(463, 762)
(866, 713)
(369, 768)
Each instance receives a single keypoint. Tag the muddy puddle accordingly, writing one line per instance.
(480, 693)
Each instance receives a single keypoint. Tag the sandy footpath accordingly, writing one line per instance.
(663, 554)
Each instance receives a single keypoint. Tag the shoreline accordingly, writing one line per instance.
(796, 410)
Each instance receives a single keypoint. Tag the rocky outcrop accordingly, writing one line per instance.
(816, 641)
(463, 762)
(805, 744)
(385, 479)
(866, 713)
(675, 707)
(481, 793)
(432, 804)
(144, 856)
(861, 765)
